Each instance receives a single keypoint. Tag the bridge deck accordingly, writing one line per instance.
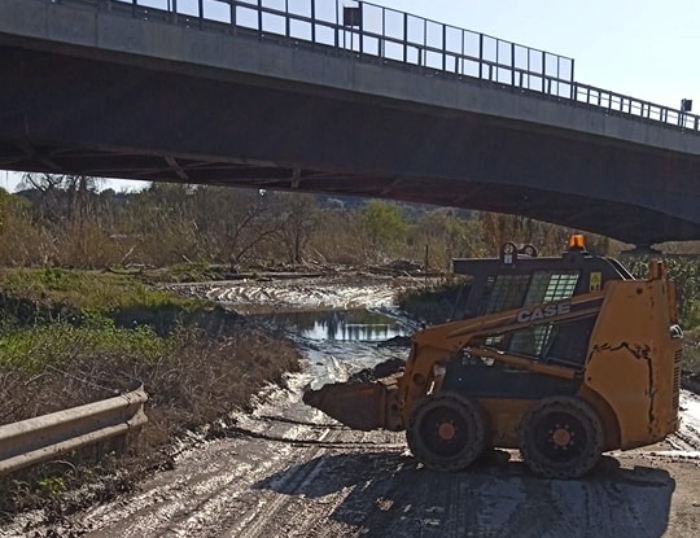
(147, 94)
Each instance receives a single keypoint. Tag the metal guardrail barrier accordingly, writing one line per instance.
(43, 438)
(373, 33)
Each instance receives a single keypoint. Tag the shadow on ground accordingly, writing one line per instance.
(390, 495)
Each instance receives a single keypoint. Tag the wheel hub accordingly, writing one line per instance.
(561, 437)
(446, 431)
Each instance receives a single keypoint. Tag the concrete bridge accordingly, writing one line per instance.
(359, 101)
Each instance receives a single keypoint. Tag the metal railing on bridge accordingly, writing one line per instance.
(373, 33)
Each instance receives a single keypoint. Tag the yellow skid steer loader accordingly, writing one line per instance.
(561, 357)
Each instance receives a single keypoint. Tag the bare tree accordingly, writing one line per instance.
(299, 213)
(61, 196)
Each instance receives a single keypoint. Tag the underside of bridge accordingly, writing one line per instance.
(71, 112)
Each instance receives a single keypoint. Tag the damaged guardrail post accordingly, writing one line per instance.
(39, 439)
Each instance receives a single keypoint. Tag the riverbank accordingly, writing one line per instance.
(72, 337)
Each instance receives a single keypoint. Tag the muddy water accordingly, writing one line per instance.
(338, 322)
(340, 325)
(339, 343)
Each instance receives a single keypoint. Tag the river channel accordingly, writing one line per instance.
(339, 343)
(340, 324)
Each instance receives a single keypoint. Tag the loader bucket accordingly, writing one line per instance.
(360, 406)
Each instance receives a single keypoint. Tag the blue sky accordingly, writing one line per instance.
(642, 48)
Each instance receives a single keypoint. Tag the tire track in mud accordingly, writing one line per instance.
(272, 418)
(176, 508)
(623, 504)
(379, 487)
(310, 519)
(306, 497)
(417, 502)
(216, 503)
(258, 504)
(322, 443)
(302, 294)
(609, 503)
(255, 523)
(209, 497)
(341, 484)
(397, 498)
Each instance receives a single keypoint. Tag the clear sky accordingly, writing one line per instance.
(643, 48)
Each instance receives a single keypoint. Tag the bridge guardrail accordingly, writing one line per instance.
(377, 33)
(39, 439)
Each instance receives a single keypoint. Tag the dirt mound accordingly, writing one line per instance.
(396, 341)
(383, 369)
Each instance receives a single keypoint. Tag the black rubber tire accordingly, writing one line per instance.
(583, 444)
(467, 419)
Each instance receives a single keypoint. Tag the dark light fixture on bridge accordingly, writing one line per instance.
(686, 105)
(352, 16)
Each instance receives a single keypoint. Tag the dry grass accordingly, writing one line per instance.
(200, 380)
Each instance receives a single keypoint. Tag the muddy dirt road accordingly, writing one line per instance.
(289, 471)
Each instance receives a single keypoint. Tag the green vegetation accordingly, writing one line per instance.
(59, 345)
(686, 274)
(385, 226)
(60, 321)
(89, 291)
(53, 317)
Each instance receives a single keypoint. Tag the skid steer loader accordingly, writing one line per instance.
(562, 358)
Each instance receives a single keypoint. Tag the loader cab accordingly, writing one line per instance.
(518, 278)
